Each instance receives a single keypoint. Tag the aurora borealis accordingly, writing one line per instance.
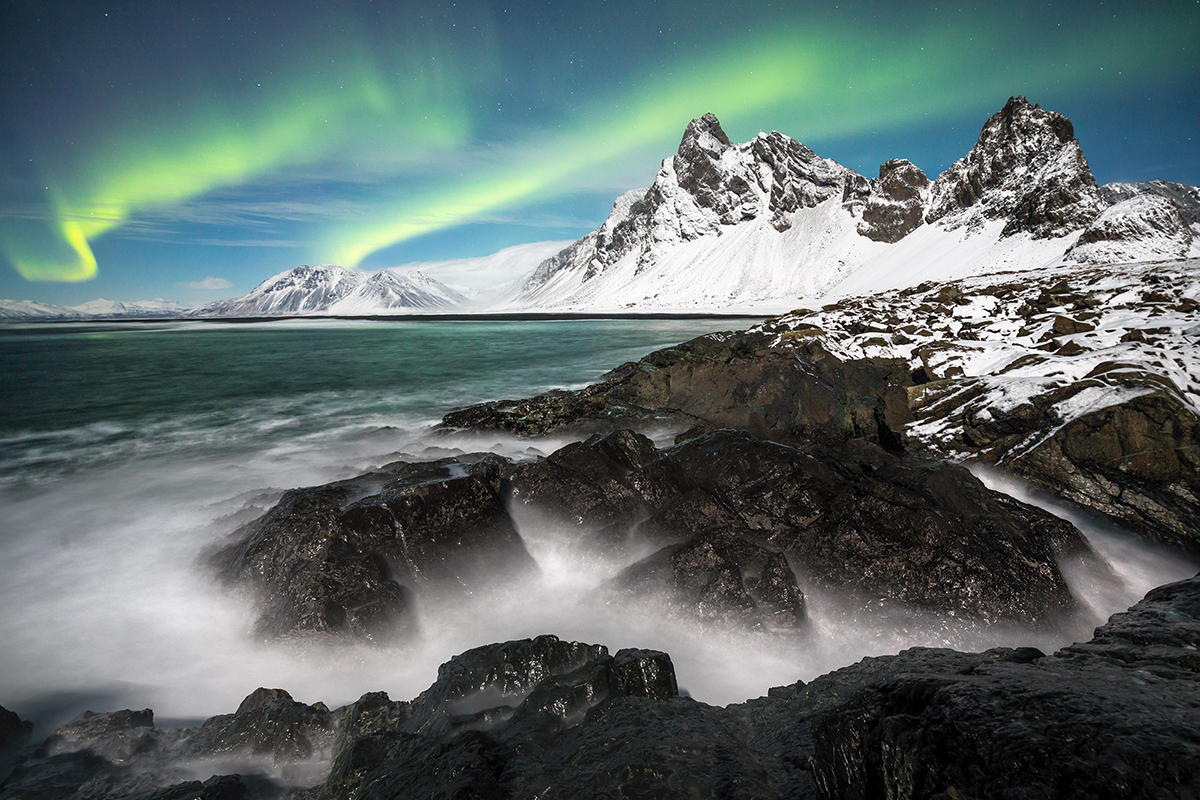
(149, 145)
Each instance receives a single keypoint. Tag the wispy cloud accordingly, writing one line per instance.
(210, 283)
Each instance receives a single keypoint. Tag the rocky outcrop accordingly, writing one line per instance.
(337, 559)
(122, 754)
(1112, 717)
(1104, 719)
(896, 204)
(1027, 169)
(1136, 461)
(737, 513)
(1143, 228)
(798, 392)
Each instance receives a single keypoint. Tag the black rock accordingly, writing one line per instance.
(119, 736)
(14, 732)
(1112, 718)
(721, 575)
(792, 391)
(267, 723)
(861, 521)
(589, 485)
(331, 560)
(1136, 462)
(737, 512)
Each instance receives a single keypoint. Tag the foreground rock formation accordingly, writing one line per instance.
(725, 520)
(1114, 717)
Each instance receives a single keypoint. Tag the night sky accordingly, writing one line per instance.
(189, 150)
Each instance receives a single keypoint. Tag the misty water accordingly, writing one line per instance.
(127, 450)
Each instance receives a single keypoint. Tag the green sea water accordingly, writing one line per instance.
(74, 394)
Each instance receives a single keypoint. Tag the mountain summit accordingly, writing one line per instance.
(1027, 169)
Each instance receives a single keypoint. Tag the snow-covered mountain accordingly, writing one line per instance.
(333, 290)
(93, 309)
(29, 310)
(138, 308)
(770, 222)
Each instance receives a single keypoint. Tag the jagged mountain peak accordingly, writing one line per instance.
(704, 133)
(1027, 169)
(1021, 120)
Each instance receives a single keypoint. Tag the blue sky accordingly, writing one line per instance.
(153, 149)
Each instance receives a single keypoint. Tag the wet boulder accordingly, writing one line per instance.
(591, 485)
(1111, 718)
(862, 522)
(267, 723)
(118, 736)
(721, 575)
(1121, 443)
(487, 706)
(337, 559)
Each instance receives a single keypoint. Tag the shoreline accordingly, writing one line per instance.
(519, 316)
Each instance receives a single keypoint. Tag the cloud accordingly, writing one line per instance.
(210, 283)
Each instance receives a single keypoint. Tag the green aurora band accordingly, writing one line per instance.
(819, 81)
(214, 144)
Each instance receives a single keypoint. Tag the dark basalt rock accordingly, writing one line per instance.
(855, 519)
(489, 705)
(896, 204)
(118, 736)
(329, 560)
(721, 575)
(797, 392)
(14, 734)
(267, 723)
(1111, 718)
(1026, 168)
(858, 520)
(122, 754)
(1114, 717)
(590, 485)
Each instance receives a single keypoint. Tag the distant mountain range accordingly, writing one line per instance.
(767, 224)
(336, 291)
(94, 309)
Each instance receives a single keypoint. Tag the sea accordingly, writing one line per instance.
(128, 451)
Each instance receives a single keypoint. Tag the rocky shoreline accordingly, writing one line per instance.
(820, 450)
(1113, 717)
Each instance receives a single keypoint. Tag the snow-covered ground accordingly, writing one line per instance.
(991, 343)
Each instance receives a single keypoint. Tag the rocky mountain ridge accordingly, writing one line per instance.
(727, 224)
